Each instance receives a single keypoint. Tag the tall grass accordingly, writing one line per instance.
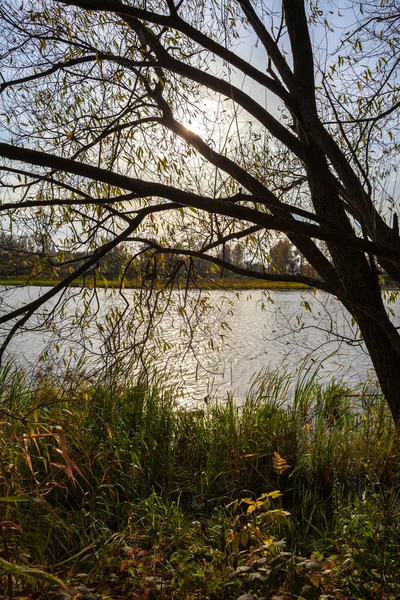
(85, 465)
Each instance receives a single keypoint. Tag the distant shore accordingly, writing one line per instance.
(209, 284)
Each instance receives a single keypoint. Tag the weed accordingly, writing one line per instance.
(118, 484)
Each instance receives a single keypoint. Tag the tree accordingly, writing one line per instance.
(131, 123)
(15, 255)
(282, 259)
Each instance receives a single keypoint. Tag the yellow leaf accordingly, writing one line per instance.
(275, 494)
(244, 537)
(235, 541)
(279, 463)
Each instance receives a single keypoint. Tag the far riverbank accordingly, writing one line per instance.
(206, 284)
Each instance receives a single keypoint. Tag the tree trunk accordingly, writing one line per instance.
(386, 361)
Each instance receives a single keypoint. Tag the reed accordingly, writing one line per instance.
(90, 468)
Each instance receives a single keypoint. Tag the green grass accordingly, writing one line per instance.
(206, 284)
(115, 481)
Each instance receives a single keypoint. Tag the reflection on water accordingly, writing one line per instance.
(213, 355)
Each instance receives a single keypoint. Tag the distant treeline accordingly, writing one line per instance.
(22, 256)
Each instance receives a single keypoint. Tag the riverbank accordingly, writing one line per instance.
(115, 488)
(206, 284)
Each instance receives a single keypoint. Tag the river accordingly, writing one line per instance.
(226, 340)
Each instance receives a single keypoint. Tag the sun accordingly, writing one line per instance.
(195, 125)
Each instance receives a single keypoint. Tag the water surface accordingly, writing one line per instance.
(204, 355)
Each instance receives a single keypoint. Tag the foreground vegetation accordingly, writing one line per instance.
(122, 494)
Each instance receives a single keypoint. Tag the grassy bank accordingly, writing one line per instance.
(206, 284)
(115, 488)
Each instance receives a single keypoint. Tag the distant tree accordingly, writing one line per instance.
(18, 255)
(116, 261)
(238, 255)
(282, 258)
(232, 254)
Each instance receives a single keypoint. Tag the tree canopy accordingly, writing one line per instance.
(177, 128)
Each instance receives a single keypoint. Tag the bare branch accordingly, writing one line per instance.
(211, 205)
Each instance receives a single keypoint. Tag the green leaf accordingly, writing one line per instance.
(7, 568)
(14, 499)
